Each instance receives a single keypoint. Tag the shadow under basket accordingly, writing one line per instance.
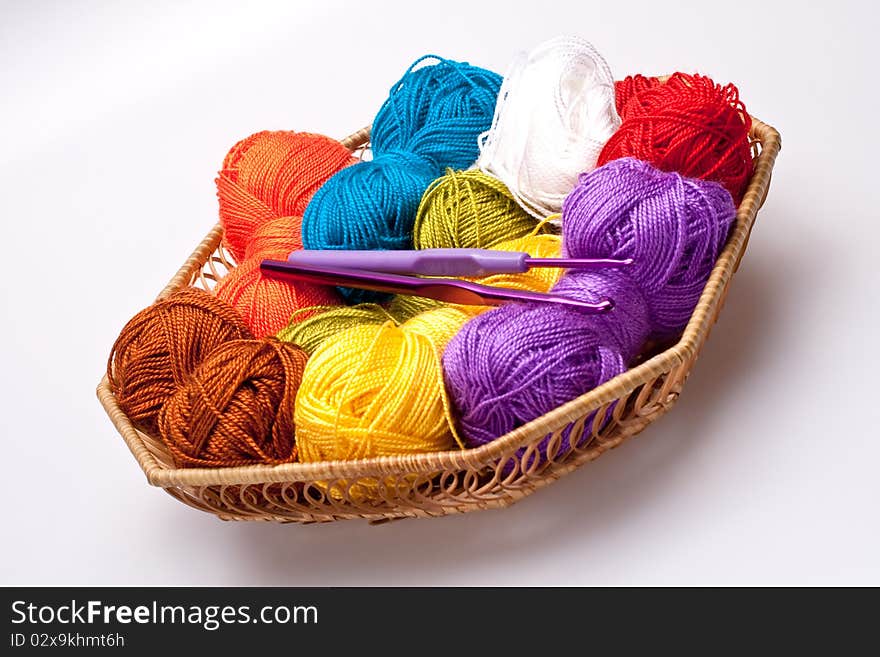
(442, 483)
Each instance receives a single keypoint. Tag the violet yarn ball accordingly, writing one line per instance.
(672, 227)
(517, 362)
(627, 326)
(520, 361)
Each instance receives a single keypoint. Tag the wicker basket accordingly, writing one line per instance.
(441, 483)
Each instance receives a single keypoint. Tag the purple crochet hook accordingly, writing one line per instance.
(450, 290)
(443, 262)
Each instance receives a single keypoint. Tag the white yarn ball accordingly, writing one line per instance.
(555, 112)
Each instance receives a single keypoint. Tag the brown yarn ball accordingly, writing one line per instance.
(237, 408)
(161, 345)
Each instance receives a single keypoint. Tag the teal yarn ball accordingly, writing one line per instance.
(438, 112)
(385, 194)
(431, 120)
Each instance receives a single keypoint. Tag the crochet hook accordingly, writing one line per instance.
(450, 290)
(443, 262)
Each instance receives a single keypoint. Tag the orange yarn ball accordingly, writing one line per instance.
(275, 239)
(269, 175)
(266, 304)
(237, 408)
(161, 346)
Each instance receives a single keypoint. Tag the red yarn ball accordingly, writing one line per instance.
(270, 175)
(266, 304)
(626, 89)
(689, 125)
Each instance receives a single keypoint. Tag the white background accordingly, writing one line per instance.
(114, 118)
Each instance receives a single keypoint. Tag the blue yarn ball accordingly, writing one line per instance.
(438, 112)
(431, 120)
(372, 203)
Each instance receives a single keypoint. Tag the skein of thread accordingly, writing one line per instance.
(162, 345)
(378, 390)
(518, 362)
(404, 306)
(270, 175)
(325, 322)
(690, 125)
(555, 113)
(671, 226)
(237, 407)
(276, 238)
(430, 121)
(629, 87)
(468, 209)
(266, 304)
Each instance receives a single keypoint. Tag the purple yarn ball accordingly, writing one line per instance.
(627, 326)
(672, 227)
(517, 362)
(520, 361)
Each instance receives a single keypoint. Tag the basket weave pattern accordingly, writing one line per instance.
(458, 481)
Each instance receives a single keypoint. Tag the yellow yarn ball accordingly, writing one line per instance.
(468, 209)
(378, 390)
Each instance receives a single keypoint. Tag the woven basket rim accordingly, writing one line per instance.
(685, 349)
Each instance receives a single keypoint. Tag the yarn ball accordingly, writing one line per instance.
(275, 239)
(430, 121)
(672, 227)
(468, 209)
(377, 390)
(404, 306)
(627, 326)
(324, 323)
(266, 304)
(437, 110)
(555, 113)
(371, 205)
(626, 89)
(690, 125)
(269, 175)
(517, 362)
(237, 408)
(161, 346)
